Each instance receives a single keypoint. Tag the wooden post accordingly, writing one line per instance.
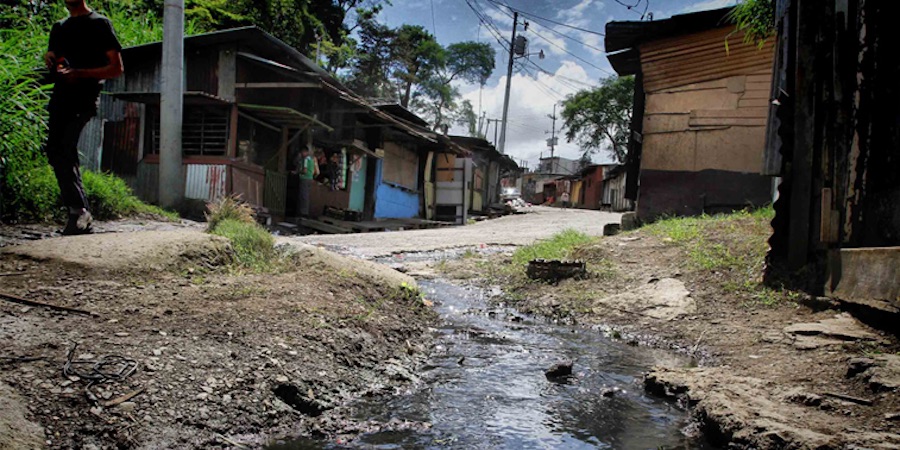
(804, 134)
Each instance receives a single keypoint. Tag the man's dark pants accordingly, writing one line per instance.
(62, 152)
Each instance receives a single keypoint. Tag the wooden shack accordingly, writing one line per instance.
(699, 123)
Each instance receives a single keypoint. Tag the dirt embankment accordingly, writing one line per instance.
(222, 358)
(777, 370)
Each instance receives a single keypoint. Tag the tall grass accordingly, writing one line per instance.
(28, 189)
(559, 246)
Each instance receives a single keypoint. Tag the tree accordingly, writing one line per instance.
(600, 118)
(416, 56)
(436, 98)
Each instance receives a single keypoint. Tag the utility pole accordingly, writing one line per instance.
(509, 70)
(171, 105)
(496, 125)
(552, 140)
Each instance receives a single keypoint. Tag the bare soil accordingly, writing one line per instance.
(761, 383)
(224, 358)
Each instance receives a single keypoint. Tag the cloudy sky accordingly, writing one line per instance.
(574, 59)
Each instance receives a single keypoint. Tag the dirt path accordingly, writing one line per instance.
(221, 357)
(522, 229)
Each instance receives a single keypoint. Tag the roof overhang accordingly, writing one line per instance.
(624, 37)
(153, 98)
(282, 116)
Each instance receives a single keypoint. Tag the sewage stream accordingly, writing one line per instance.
(483, 387)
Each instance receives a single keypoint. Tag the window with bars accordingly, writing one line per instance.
(204, 131)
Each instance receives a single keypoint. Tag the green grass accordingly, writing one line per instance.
(731, 245)
(28, 190)
(719, 242)
(559, 246)
(254, 247)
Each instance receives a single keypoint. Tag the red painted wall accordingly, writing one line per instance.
(592, 189)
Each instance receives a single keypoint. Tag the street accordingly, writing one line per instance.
(521, 229)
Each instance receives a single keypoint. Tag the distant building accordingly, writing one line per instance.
(557, 165)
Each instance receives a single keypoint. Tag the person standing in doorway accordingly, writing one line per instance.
(564, 198)
(309, 170)
(83, 52)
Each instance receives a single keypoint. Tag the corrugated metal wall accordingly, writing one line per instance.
(699, 57)
(205, 181)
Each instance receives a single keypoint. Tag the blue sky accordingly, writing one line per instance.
(574, 61)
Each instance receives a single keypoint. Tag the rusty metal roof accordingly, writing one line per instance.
(624, 37)
(283, 116)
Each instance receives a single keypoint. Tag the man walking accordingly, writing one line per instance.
(83, 52)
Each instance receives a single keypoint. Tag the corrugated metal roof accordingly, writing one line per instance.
(623, 37)
(285, 117)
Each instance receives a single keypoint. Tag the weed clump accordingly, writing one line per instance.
(254, 247)
(560, 246)
(227, 208)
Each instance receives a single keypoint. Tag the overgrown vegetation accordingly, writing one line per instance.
(732, 245)
(28, 188)
(560, 246)
(227, 208)
(254, 246)
(756, 19)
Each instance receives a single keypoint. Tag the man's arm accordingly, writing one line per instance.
(113, 69)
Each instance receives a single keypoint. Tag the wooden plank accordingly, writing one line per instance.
(728, 122)
(324, 227)
(761, 113)
(666, 123)
(750, 95)
(753, 103)
(804, 134)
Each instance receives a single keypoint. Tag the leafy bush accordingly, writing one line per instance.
(254, 247)
(559, 246)
(28, 190)
(111, 198)
(227, 208)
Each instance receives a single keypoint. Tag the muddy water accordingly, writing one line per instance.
(484, 387)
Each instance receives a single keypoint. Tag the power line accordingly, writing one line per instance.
(433, 23)
(570, 53)
(555, 75)
(535, 16)
(571, 38)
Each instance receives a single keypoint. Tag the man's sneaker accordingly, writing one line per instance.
(79, 224)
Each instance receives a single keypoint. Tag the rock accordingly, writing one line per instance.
(611, 229)
(559, 370)
(892, 417)
(666, 299)
(629, 221)
(858, 366)
(202, 396)
(842, 328)
(127, 406)
(608, 392)
(206, 389)
(281, 379)
(881, 372)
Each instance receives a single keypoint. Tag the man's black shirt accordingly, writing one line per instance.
(83, 41)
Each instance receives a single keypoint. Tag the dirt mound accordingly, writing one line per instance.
(137, 251)
(315, 256)
(16, 431)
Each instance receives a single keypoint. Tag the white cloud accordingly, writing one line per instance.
(531, 100)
